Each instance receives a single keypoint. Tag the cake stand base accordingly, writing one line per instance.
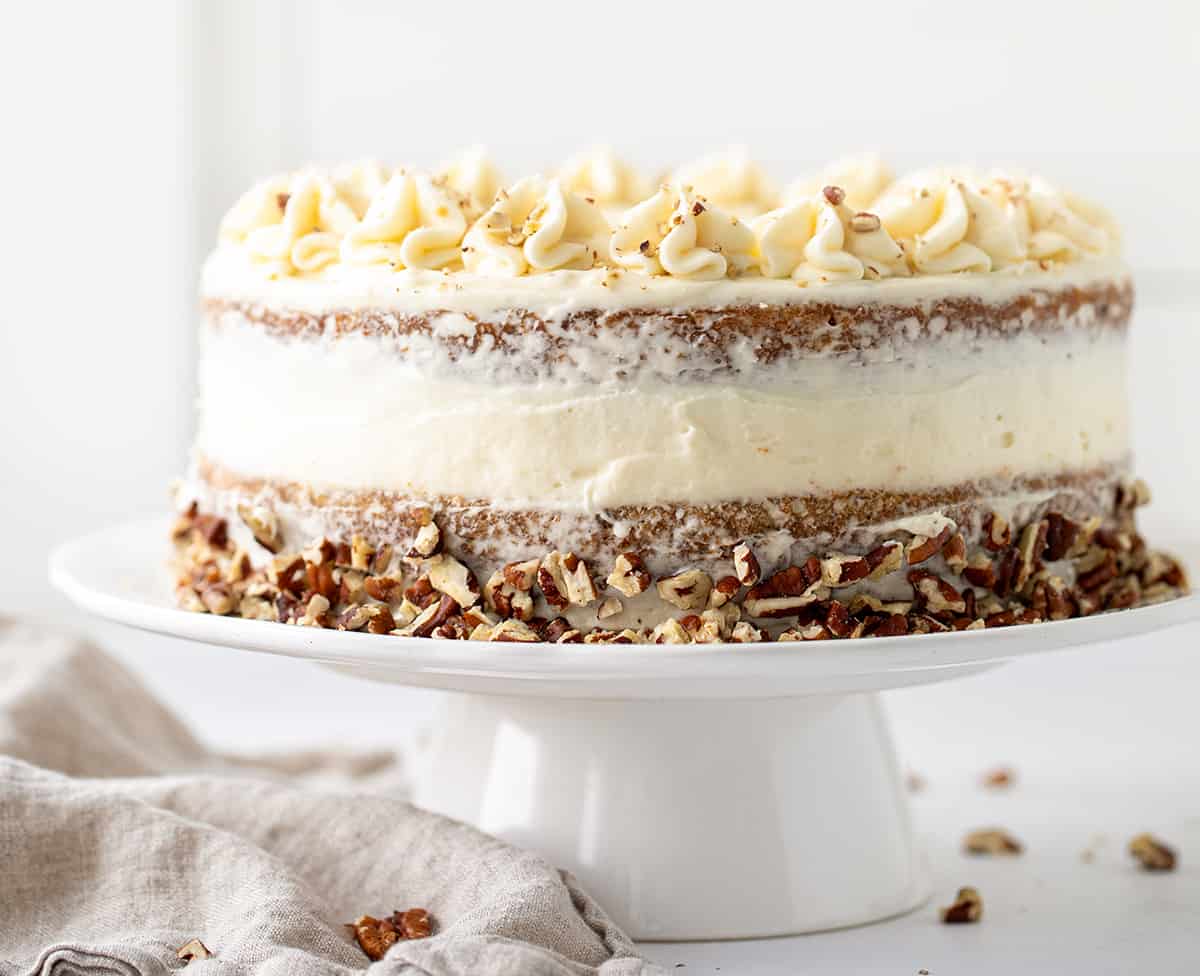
(692, 819)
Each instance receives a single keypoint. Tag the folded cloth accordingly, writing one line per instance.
(122, 839)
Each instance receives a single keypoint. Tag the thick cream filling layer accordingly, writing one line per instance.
(350, 412)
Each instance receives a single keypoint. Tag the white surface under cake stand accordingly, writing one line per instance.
(698, 791)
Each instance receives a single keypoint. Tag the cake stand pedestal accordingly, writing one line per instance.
(692, 819)
(698, 791)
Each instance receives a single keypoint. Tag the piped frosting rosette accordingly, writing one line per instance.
(676, 232)
(857, 224)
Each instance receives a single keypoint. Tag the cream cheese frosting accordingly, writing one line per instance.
(960, 410)
(412, 222)
(861, 178)
(610, 181)
(536, 226)
(731, 180)
(676, 233)
(820, 239)
(597, 213)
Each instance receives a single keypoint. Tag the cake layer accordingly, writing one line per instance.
(931, 409)
(669, 537)
(965, 557)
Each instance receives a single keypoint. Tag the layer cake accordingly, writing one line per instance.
(585, 408)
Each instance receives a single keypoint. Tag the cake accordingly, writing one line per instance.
(591, 407)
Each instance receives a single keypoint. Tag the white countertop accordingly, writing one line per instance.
(1103, 742)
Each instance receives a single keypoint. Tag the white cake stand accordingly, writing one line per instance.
(698, 791)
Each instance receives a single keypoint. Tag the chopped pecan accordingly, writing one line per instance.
(432, 617)
(923, 547)
(414, 923)
(991, 841)
(257, 608)
(1095, 568)
(724, 590)
(218, 599)
(381, 562)
(191, 950)
(513, 631)
(745, 633)
(885, 558)
(1001, 777)
(837, 619)
(447, 575)
(838, 570)
(263, 525)
(319, 579)
(997, 534)
(1131, 494)
(386, 589)
(1126, 593)
(316, 612)
(428, 542)
(372, 617)
(967, 907)
(1029, 552)
(239, 566)
(1152, 854)
(287, 573)
(1161, 568)
(955, 553)
(805, 632)
(522, 575)
(421, 593)
(320, 552)
(687, 590)
(1061, 533)
(611, 637)
(556, 629)
(505, 598)
(745, 565)
(937, 595)
(212, 529)
(979, 572)
(670, 631)
(1006, 572)
(361, 553)
(376, 935)
(629, 576)
(787, 592)
(893, 625)
(565, 581)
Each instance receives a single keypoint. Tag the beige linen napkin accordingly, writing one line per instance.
(122, 838)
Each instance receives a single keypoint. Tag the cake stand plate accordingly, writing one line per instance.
(698, 791)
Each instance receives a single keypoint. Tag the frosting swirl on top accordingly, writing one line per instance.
(604, 177)
(297, 229)
(677, 233)
(357, 183)
(938, 221)
(474, 176)
(536, 225)
(413, 222)
(731, 180)
(862, 178)
(820, 239)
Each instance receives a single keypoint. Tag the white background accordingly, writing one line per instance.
(129, 127)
